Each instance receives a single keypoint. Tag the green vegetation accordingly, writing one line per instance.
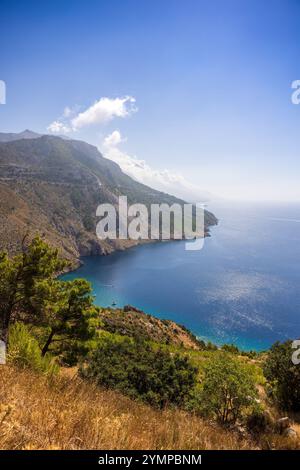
(67, 313)
(136, 369)
(231, 348)
(283, 376)
(50, 323)
(29, 293)
(228, 389)
(20, 280)
(132, 322)
(25, 352)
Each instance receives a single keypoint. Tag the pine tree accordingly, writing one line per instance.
(19, 276)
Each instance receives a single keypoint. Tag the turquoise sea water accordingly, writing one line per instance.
(242, 287)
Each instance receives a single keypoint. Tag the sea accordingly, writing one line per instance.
(242, 287)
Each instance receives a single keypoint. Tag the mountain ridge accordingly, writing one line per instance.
(52, 186)
(12, 136)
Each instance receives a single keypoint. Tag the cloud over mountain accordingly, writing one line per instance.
(101, 112)
(162, 180)
(105, 110)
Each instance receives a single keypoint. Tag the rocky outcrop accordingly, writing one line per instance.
(131, 321)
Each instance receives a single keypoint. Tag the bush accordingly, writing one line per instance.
(228, 388)
(259, 422)
(283, 376)
(231, 348)
(210, 346)
(136, 369)
(24, 351)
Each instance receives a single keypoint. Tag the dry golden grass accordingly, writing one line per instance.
(71, 414)
(68, 413)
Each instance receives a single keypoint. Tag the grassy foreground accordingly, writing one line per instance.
(80, 376)
(68, 413)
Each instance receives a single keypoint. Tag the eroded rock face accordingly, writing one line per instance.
(90, 248)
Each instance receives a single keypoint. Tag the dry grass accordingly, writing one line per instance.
(70, 414)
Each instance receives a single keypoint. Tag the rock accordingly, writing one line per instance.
(291, 433)
(282, 424)
(130, 308)
(241, 430)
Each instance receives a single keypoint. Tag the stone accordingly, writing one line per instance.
(283, 423)
(291, 433)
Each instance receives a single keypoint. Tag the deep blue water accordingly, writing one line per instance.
(242, 287)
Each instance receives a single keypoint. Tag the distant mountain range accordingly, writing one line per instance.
(9, 137)
(52, 186)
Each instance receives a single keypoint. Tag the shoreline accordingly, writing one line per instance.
(132, 244)
(79, 263)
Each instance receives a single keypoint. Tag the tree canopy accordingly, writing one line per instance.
(137, 369)
(30, 293)
(283, 376)
(228, 388)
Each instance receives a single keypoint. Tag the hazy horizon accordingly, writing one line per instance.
(190, 98)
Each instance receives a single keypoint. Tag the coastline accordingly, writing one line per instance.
(74, 267)
(125, 245)
(208, 340)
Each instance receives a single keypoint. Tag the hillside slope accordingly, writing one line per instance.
(10, 136)
(71, 414)
(53, 186)
(132, 322)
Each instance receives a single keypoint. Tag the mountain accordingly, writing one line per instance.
(9, 137)
(53, 186)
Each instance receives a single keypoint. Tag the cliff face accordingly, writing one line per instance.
(52, 186)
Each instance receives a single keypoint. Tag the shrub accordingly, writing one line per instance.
(24, 351)
(231, 348)
(283, 376)
(136, 369)
(210, 346)
(228, 388)
(259, 422)
(251, 354)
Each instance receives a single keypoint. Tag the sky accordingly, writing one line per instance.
(192, 97)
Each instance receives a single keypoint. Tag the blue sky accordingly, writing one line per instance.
(211, 82)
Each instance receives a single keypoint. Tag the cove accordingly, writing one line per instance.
(241, 288)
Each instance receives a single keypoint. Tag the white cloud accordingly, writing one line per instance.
(58, 127)
(162, 180)
(104, 110)
(113, 140)
(101, 112)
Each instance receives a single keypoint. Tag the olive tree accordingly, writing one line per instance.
(228, 388)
